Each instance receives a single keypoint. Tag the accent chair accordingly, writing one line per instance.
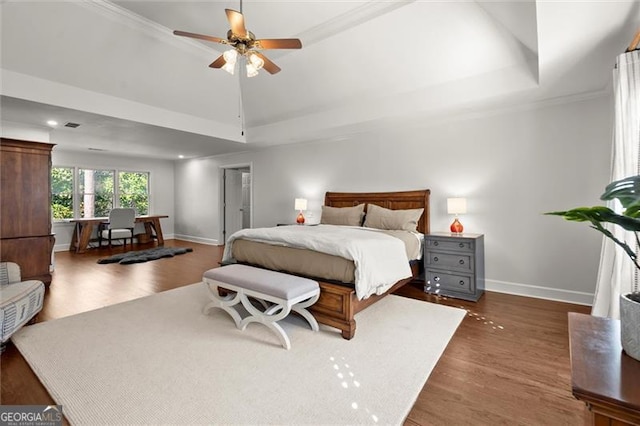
(20, 301)
(120, 226)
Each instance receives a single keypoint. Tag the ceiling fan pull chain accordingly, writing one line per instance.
(240, 108)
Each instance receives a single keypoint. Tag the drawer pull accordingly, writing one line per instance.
(461, 261)
(436, 278)
(435, 259)
(435, 243)
(461, 245)
(461, 282)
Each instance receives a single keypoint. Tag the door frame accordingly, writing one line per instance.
(222, 238)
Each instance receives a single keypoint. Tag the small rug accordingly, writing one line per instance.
(160, 360)
(145, 255)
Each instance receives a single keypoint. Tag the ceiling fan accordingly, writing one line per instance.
(245, 45)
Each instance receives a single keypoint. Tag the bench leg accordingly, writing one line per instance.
(267, 318)
(301, 308)
(225, 303)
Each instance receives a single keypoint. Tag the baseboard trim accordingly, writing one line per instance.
(559, 295)
(65, 246)
(207, 241)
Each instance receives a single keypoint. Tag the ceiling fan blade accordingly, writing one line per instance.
(200, 36)
(278, 43)
(236, 20)
(218, 63)
(269, 66)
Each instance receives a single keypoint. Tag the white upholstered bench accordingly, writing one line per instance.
(285, 292)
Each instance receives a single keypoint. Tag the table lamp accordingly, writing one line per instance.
(456, 206)
(300, 205)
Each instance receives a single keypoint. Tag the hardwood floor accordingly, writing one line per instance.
(508, 362)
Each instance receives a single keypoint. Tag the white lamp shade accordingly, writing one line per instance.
(301, 204)
(456, 205)
(256, 61)
(251, 70)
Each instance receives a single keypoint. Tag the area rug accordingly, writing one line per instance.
(160, 360)
(145, 255)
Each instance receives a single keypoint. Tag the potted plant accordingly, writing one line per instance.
(627, 191)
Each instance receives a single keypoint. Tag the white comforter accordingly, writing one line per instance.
(380, 260)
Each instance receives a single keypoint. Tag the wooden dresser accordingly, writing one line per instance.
(25, 207)
(602, 375)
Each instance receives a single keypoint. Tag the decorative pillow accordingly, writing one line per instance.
(351, 216)
(381, 218)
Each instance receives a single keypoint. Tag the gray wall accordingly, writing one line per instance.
(161, 186)
(510, 165)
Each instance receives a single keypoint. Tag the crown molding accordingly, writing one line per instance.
(148, 27)
(422, 120)
(507, 107)
(366, 12)
(352, 18)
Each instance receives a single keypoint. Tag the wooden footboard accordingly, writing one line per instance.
(338, 304)
(335, 308)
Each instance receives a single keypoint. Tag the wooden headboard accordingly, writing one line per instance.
(390, 200)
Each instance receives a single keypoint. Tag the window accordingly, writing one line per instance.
(62, 192)
(95, 188)
(81, 192)
(133, 191)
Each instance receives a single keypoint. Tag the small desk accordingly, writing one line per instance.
(84, 228)
(602, 375)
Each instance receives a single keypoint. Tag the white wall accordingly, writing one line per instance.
(161, 186)
(511, 166)
(24, 132)
(197, 201)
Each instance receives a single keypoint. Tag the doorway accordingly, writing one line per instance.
(237, 199)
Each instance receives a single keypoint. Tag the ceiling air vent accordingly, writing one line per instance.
(72, 125)
(97, 149)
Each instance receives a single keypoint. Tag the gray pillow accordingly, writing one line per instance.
(381, 218)
(350, 216)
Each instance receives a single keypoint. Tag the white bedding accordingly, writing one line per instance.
(380, 260)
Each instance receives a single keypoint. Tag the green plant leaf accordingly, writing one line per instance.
(599, 214)
(627, 191)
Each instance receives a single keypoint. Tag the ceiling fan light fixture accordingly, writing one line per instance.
(230, 68)
(230, 58)
(251, 70)
(256, 61)
(244, 44)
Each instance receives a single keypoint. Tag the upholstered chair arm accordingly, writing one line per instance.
(9, 273)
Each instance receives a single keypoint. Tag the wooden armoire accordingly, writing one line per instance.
(25, 207)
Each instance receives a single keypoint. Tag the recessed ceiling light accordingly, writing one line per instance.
(52, 122)
(180, 156)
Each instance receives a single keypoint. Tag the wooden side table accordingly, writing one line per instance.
(602, 375)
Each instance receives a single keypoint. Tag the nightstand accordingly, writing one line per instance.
(454, 265)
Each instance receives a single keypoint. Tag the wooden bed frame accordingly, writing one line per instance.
(338, 304)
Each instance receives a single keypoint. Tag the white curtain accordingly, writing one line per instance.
(617, 273)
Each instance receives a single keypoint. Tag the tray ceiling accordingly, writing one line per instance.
(117, 67)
